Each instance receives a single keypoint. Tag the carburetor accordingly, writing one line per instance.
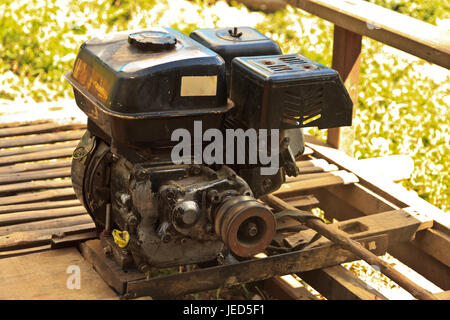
(139, 89)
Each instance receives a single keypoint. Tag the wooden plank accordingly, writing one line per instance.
(38, 196)
(24, 239)
(356, 200)
(28, 216)
(25, 167)
(45, 275)
(19, 252)
(315, 165)
(397, 224)
(23, 123)
(390, 191)
(108, 269)
(34, 185)
(33, 175)
(310, 176)
(361, 198)
(46, 224)
(41, 138)
(400, 31)
(337, 283)
(445, 295)
(423, 263)
(246, 271)
(72, 240)
(331, 179)
(38, 205)
(40, 128)
(30, 149)
(346, 61)
(39, 155)
(300, 201)
(287, 288)
(436, 243)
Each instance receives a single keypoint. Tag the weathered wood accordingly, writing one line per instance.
(345, 175)
(41, 138)
(445, 295)
(315, 165)
(38, 196)
(28, 216)
(40, 128)
(108, 269)
(398, 225)
(361, 198)
(346, 61)
(19, 252)
(228, 275)
(34, 185)
(400, 31)
(34, 175)
(355, 200)
(436, 242)
(390, 191)
(422, 263)
(39, 155)
(23, 123)
(9, 208)
(337, 283)
(33, 238)
(340, 237)
(31, 149)
(46, 224)
(72, 240)
(26, 167)
(287, 288)
(45, 275)
(299, 201)
(296, 186)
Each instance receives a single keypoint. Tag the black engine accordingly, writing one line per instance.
(185, 133)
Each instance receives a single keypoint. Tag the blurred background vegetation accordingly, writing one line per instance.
(403, 101)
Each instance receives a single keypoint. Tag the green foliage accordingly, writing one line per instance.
(403, 101)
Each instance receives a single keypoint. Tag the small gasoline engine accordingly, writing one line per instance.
(137, 88)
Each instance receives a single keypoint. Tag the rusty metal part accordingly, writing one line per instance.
(245, 225)
(342, 239)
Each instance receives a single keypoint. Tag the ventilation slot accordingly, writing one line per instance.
(279, 67)
(293, 60)
(302, 109)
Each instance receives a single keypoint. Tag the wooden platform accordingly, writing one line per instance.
(39, 212)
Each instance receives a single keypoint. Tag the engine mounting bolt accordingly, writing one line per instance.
(220, 258)
(209, 228)
(267, 183)
(183, 241)
(166, 238)
(132, 219)
(141, 174)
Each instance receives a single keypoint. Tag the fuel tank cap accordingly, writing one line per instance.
(152, 40)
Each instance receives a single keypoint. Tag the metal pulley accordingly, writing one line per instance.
(246, 226)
